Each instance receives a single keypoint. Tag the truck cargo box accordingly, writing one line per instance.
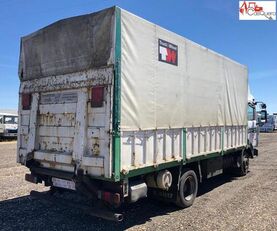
(117, 96)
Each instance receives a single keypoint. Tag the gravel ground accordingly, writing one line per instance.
(223, 203)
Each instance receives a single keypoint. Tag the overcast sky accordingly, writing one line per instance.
(213, 24)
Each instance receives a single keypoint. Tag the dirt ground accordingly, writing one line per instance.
(223, 203)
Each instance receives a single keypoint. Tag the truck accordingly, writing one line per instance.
(269, 126)
(257, 117)
(8, 125)
(116, 108)
(275, 120)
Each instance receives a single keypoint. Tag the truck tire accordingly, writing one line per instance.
(188, 187)
(243, 161)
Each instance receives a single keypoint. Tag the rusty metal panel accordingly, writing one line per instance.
(68, 130)
(77, 80)
(80, 129)
(99, 133)
(55, 157)
(97, 118)
(22, 138)
(33, 123)
(21, 155)
(93, 161)
(23, 141)
(57, 108)
(59, 97)
(95, 171)
(57, 166)
(56, 143)
(25, 120)
(57, 119)
(24, 130)
(56, 131)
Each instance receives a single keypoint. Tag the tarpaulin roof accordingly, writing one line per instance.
(69, 45)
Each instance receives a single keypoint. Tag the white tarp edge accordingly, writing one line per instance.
(204, 89)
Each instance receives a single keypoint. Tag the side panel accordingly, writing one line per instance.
(205, 140)
(147, 148)
(154, 147)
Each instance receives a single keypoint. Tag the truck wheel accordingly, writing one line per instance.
(188, 187)
(243, 162)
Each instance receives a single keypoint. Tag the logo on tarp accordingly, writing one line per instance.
(168, 52)
(257, 10)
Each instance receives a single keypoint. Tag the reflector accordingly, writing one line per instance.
(97, 96)
(26, 101)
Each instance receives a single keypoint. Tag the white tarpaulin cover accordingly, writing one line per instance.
(197, 88)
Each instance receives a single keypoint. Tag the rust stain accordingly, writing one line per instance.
(96, 147)
(69, 81)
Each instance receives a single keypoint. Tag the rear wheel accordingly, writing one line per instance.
(188, 187)
(243, 164)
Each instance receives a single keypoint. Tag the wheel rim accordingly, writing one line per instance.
(189, 188)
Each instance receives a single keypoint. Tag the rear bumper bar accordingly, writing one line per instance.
(97, 211)
(90, 188)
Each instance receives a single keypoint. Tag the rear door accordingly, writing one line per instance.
(65, 131)
(55, 133)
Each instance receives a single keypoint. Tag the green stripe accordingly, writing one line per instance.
(116, 100)
(203, 157)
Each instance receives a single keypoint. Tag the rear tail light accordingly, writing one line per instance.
(26, 101)
(111, 198)
(97, 96)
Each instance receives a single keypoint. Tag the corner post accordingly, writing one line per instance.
(117, 97)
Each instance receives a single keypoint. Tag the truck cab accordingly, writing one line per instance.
(269, 126)
(8, 125)
(257, 117)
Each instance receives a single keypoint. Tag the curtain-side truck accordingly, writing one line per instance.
(117, 108)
